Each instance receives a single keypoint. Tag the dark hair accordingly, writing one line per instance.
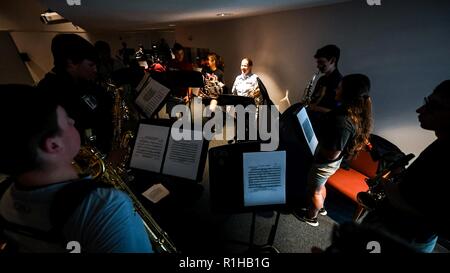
(328, 52)
(71, 47)
(27, 118)
(218, 60)
(443, 91)
(102, 47)
(356, 100)
(177, 47)
(250, 62)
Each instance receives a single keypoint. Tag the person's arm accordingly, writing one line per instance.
(397, 200)
(318, 95)
(326, 155)
(316, 108)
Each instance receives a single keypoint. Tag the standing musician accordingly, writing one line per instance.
(44, 205)
(343, 133)
(214, 77)
(323, 98)
(246, 84)
(71, 82)
(415, 208)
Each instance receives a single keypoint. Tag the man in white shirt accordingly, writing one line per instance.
(246, 84)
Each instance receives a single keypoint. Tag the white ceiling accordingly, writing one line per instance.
(131, 15)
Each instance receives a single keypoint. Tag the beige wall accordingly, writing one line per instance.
(12, 68)
(403, 46)
(21, 19)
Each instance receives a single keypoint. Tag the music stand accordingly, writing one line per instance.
(227, 191)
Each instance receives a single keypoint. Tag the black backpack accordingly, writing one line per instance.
(66, 201)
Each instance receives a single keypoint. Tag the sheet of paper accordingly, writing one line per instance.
(308, 130)
(183, 158)
(149, 148)
(156, 192)
(264, 178)
(151, 97)
(142, 82)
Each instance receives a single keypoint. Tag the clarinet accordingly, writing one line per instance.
(307, 94)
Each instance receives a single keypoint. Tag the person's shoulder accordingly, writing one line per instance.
(340, 118)
(106, 196)
(49, 79)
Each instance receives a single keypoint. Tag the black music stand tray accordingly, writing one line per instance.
(268, 247)
(228, 197)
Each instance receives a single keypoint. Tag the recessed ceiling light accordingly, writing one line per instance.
(224, 14)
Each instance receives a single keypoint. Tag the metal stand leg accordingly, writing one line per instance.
(268, 247)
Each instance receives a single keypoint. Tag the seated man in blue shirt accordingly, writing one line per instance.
(37, 146)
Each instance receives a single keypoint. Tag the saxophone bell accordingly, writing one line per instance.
(89, 162)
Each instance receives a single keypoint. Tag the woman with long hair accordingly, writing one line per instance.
(343, 133)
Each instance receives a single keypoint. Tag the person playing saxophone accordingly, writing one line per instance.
(43, 182)
(415, 208)
(323, 97)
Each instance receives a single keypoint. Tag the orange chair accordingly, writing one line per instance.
(352, 181)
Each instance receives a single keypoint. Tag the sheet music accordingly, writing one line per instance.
(183, 158)
(308, 130)
(142, 82)
(151, 97)
(264, 178)
(149, 148)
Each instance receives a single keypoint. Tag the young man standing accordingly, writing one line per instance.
(323, 98)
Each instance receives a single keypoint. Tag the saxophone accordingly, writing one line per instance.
(89, 161)
(376, 194)
(307, 94)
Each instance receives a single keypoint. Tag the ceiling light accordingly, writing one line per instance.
(50, 17)
(224, 14)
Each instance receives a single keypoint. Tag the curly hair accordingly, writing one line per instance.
(358, 104)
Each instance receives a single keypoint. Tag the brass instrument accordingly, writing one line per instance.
(307, 94)
(89, 161)
(376, 194)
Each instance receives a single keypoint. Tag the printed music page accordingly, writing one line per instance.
(308, 130)
(264, 178)
(183, 158)
(149, 148)
(142, 82)
(151, 97)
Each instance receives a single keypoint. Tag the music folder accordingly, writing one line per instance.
(307, 130)
(151, 95)
(155, 150)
